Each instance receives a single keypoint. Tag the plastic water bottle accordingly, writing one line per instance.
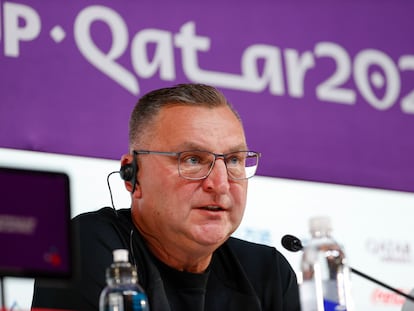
(122, 293)
(325, 274)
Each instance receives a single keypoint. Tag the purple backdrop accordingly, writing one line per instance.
(326, 90)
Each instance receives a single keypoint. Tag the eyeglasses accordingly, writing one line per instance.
(197, 165)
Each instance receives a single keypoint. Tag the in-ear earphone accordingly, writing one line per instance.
(128, 172)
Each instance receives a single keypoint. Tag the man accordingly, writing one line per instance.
(187, 171)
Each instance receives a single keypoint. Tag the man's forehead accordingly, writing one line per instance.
(196, 128)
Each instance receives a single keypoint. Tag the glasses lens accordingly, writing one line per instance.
(242, 164)
(195, 164)
(198, 164)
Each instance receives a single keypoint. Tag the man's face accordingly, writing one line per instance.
(178, 213)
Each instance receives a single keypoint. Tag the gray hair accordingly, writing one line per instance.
(153, 102)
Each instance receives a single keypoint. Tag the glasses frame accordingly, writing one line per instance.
(216, 156)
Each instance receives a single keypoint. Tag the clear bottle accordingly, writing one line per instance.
(325, 284)
(122, 293)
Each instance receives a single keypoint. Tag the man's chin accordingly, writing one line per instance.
(212, 236)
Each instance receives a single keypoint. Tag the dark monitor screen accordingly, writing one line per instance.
(35, 234)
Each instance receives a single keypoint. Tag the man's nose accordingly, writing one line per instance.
(218, 179)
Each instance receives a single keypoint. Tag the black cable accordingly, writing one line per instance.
(132, 249)
(110, 191)
(382, 284)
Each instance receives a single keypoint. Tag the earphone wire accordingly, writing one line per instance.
(132, 248)
(110, 191)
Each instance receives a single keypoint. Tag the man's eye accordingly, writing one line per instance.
(192, 160)
(233, 160)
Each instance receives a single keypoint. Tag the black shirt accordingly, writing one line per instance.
(184, 290)
(241, 276)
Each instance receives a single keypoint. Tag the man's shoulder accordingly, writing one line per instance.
(105, 214)
(252, 254)
(268, 271)
(245, 246)
(264, 265)
(104, 222)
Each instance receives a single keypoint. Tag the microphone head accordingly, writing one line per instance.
(291, 243)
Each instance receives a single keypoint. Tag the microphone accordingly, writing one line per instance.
(294, 244)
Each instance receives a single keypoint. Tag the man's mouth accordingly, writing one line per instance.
(212, 208)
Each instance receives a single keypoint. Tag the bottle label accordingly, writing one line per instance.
(115, 302)
(332, 306)
(310, 301)
(123, 300)
(139, 302)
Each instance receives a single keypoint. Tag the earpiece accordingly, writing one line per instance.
(128, 172)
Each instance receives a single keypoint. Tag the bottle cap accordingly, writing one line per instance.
(120, 255)
(320, 224)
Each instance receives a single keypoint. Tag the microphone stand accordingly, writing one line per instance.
(381, 283)
(294, 244)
